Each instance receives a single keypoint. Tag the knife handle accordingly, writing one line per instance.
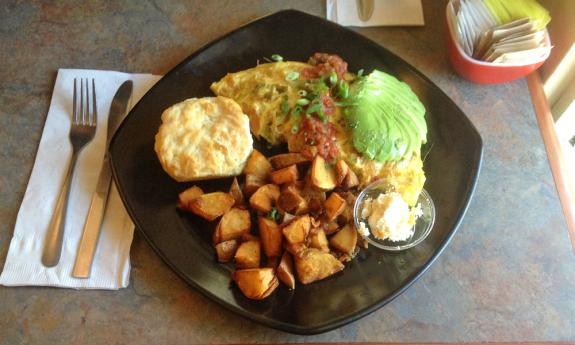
(92, 229)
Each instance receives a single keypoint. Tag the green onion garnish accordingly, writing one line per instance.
(360, 72)
(333, 78)
(285, 107)
(314, 108)
(291, 76)
(302, 101)
(302, 93)
(277, 58)
(294, 129)
(296, 110)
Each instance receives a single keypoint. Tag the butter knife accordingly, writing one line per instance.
(91, 232)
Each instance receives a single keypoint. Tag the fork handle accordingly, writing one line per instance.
(55, 234)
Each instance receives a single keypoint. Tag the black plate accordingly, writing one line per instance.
(367, 283)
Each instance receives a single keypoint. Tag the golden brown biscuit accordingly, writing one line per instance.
(203, 138)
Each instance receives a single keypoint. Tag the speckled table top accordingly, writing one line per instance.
(508, 274)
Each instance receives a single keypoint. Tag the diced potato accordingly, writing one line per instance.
(295, 249)
(297, 230)
(284, 271)
(342, 170)
(273, 262)
(265, 198)
(187, 196)
(347, 215)
(291, 201)
(323, 175)
(286, 159)
(285, 175)
(256, 283)
(344, 240)
(315, 199)
(212, 205)
(334, 206)
(248, 255)
(236, 193)
(235, 223)
(330, 228)
(313, 265)
(271, 236)
(319, 240)
(258, 165)
(226, 250)
(249, 237)
(350, 180)
(252, 184)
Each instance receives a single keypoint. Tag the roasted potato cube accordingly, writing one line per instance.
(248, 255)
(286, 159)
(258, 165)
(315, 199)
(295, 249)
(236, 193)
(256, 283)
(334, 206)
(273, 262)
(313, 265)
(330, 228)
(342, 169)
(347, 215)
(297, 230)
(285, 175)
(350, 180)
(271, 236)
(322, 174)
(252, 184)
(265, 198)
(212, 205)
(235, 223)
(291, 201)
(284, 271)
(344, 240)
(226, 250)
(319, 240)
(187, 196)
(249, 237)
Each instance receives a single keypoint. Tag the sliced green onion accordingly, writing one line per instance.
(302, 93)
(291, 76)
(321, 116)
(333, 78)
(294, 129)
(314, 108)
(343, 89)
(296, 111)
(360, 72)
(277, 58)
(302, 101)
(285, 107)
(274, 215)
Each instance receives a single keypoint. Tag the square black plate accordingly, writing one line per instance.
(370, 281)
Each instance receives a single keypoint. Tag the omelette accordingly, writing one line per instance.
(278, 98)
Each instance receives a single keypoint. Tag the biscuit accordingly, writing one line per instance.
(203, 138)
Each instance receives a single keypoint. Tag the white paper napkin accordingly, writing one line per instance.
(111, 267)
(384, 12)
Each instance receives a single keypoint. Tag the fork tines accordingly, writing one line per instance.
(82, 115)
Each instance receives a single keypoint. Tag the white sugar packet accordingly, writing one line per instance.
(111, 267)
(375, 12)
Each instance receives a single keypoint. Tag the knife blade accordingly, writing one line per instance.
(91, 231)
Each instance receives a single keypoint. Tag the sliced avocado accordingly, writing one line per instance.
(386, 118)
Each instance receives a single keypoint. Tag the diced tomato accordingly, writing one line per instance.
(324, 64)
(319, 138)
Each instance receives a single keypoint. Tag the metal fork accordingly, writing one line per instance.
(81, 132)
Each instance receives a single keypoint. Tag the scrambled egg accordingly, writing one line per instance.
(265, 90)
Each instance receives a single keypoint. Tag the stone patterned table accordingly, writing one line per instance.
(508, 274)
